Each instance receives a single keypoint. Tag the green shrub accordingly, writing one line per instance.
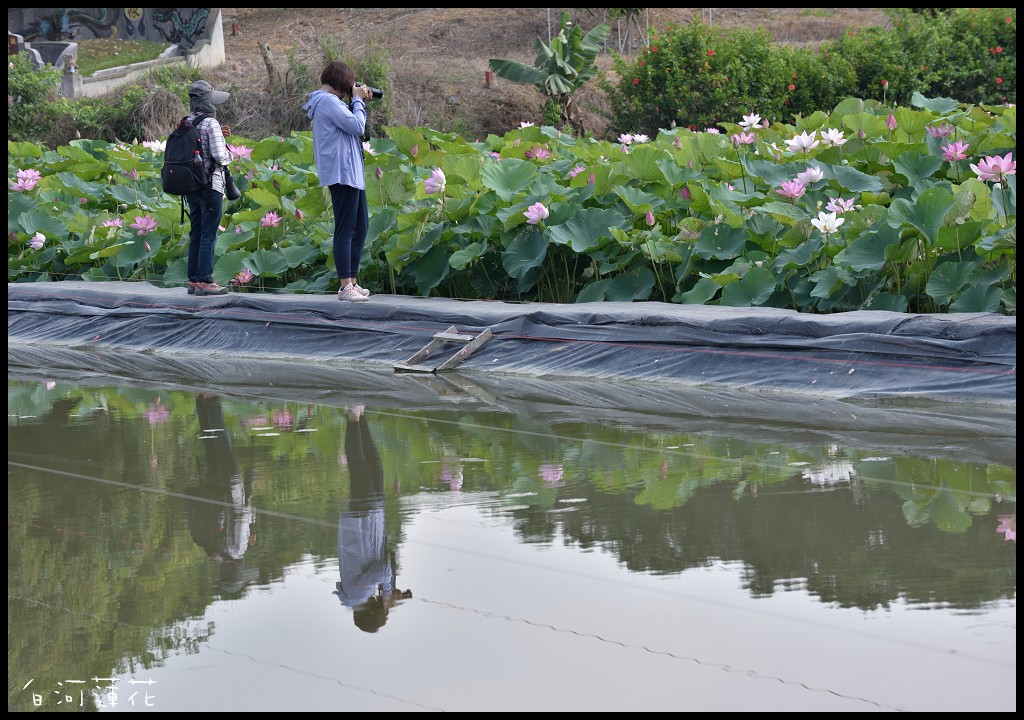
(696, 76)
(31, 96)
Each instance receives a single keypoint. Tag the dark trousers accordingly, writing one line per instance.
(204, 212)
(365, 470)
(351, 222)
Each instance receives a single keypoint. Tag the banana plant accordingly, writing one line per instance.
(560, 69)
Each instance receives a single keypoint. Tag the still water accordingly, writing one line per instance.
(177, 549)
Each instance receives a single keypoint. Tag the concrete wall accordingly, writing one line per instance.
(176, 26)
(202, 48)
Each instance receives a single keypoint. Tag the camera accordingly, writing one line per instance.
(376, 93)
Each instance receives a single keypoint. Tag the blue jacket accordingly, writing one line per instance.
(337, 139)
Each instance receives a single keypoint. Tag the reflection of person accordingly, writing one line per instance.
(205, 206)
(222, 523)
(338, 154)
(365, 562)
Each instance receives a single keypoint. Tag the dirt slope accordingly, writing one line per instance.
(438, 56)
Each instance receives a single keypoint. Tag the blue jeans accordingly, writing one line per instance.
(204, 212)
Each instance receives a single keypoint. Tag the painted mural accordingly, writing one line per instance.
(180, 26)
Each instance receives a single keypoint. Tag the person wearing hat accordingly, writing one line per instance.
(206, 206)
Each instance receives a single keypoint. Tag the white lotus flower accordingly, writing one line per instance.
(750, 122)
(832, 136)
(828, 223)
(811, 175)
(802, 142)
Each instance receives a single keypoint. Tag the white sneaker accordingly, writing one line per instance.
(349, 293)
(361, 290)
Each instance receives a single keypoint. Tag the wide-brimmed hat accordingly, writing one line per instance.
(202, 90)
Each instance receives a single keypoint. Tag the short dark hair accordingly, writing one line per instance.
(339, 76)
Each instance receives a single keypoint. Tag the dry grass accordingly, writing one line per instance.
(438, 56)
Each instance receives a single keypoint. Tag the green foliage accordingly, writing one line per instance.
(32, 95)
(682, 217)
(561, 68)
(698, 76)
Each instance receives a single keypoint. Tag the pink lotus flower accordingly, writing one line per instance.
(890, 122)
(684, 193)
(640, 137)
(238, 228)
(37, 241)
(244, 276)
(27, 179)
(271, 219)
(995, 168)
(298, 214)
(791, 189)
(436, 182)
(1008, 527)
(414, 149)
(30, 175)
(147, 246)
(132, 175)
(240, 152)
(116, 222)
(955, 151)
(156, 414)
(538, 153)
(369, 150)
(939, 131)
(577, 170)
(649, 219)
(591, 179)
(551, 473)
(625, 139)
(535, 213)
(155, 145)
(525, 124)
(144, 225)
(839, 206)
(742, 139)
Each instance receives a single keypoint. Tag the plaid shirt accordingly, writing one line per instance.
(215, 151)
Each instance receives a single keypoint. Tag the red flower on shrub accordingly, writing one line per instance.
(999, 81)
(711, 53)
(885, 83)
(787, 101)
(654, 48)
(642, 63)
(1009, 20)
(792, 87)
(693, 128)
(998, 49)
(636, 81)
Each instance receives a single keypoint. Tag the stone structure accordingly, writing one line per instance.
(194, 36)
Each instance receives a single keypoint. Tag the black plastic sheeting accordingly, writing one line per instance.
(870, 355)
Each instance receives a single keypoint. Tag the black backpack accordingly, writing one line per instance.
(184, 169)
